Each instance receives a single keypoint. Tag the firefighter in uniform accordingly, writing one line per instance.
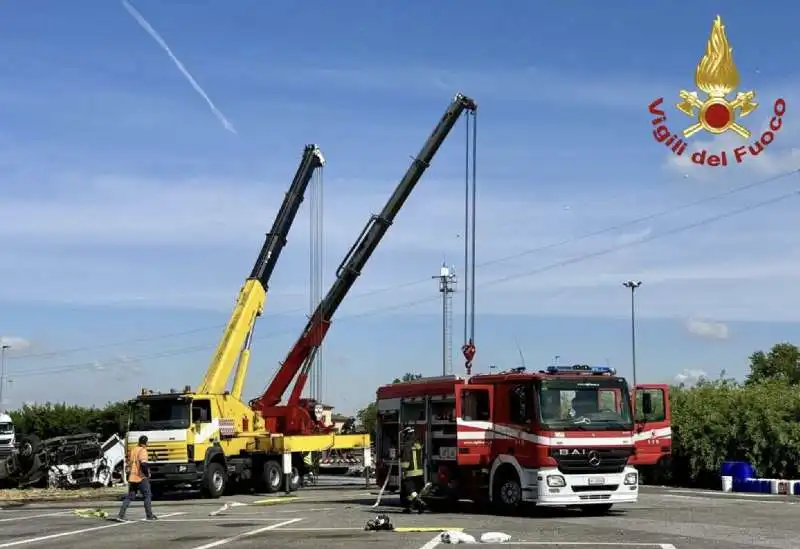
(308, 466)
(413, 474)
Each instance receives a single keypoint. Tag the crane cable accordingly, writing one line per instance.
(470, 194)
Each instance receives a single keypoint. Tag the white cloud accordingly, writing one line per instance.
(15, 343)
(531, 84)
(690, 377)
(707, 328)
(188, 244)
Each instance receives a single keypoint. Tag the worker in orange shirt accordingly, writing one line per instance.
(138, 481)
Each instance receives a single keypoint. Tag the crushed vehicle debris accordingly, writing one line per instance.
(74, 461)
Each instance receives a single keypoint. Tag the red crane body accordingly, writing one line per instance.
(296, 416)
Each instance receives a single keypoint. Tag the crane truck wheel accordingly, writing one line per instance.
(214, 480)
(273, 477)
(294, 480)
(507, 492)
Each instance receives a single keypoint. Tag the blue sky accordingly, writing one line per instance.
(130, 215)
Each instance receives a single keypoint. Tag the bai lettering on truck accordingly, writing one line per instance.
(715, 109)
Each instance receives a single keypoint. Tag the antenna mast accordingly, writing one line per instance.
(447, 287)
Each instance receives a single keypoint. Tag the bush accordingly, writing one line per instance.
(722, 420)
(59, 419)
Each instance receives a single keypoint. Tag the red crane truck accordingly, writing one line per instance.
(563, 436)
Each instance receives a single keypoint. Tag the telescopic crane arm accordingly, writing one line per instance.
(294, 417)
(235, 343)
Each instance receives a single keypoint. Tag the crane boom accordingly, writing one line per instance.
(235, 343)
(298, 361)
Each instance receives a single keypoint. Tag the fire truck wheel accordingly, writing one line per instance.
(597, 510)
(507, 492)
(273, 477)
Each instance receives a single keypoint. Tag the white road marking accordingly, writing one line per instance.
(76, 532)
(433, 543)
(217, 519)
(322, 529)
(593, 543)
(246, 534)
(305, 510)
(27, 517)
(710, 493)
(773, 501)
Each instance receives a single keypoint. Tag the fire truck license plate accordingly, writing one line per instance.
(597, 481)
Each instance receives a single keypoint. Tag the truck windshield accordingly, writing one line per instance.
(154, 415)
(6, 428)
(585, 404)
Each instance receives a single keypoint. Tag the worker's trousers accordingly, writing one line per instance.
(142, 487)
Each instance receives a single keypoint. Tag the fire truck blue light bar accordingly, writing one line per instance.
(582, 369)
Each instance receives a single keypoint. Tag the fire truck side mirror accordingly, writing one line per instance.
(647, 404)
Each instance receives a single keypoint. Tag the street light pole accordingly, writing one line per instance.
(3, 370)
(633, 284)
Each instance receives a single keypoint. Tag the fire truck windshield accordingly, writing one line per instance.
(585, 404)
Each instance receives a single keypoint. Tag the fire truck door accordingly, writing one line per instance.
(475, 424)
(653, 434)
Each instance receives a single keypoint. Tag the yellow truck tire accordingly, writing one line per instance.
(215, 479)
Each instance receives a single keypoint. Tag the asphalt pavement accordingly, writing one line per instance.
(333, 516)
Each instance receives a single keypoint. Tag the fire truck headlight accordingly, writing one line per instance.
(556, 481)
(182, 468)
(631, 479)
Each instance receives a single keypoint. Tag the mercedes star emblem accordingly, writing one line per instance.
(594, 458)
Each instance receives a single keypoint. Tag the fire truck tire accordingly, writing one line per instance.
(273, 477)
(214, 480)
(507, 492)
(597, 510)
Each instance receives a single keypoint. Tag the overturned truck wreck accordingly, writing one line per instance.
(75, 461)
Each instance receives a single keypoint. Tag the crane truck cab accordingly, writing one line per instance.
(562, 436)
(198, 441)
(7, 436)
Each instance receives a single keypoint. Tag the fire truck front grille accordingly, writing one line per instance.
(585, 461)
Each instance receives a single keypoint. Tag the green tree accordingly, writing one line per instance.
(781, 363)
(368, 417)
(59, 419)
(407, 377)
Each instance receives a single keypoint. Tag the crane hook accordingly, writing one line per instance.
(468, 350)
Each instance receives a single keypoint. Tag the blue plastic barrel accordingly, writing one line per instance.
(739, 470)
(797, 488)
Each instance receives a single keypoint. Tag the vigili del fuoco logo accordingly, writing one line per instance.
(718, 112)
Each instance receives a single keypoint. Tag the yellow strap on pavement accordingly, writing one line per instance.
(276, 501)
(90, 513)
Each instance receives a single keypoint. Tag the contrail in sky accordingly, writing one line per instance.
(152, 32)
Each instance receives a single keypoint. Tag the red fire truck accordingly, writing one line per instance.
(563, 436)
(653, 435)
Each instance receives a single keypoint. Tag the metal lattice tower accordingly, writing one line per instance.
(447, 287)
(316, 268)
